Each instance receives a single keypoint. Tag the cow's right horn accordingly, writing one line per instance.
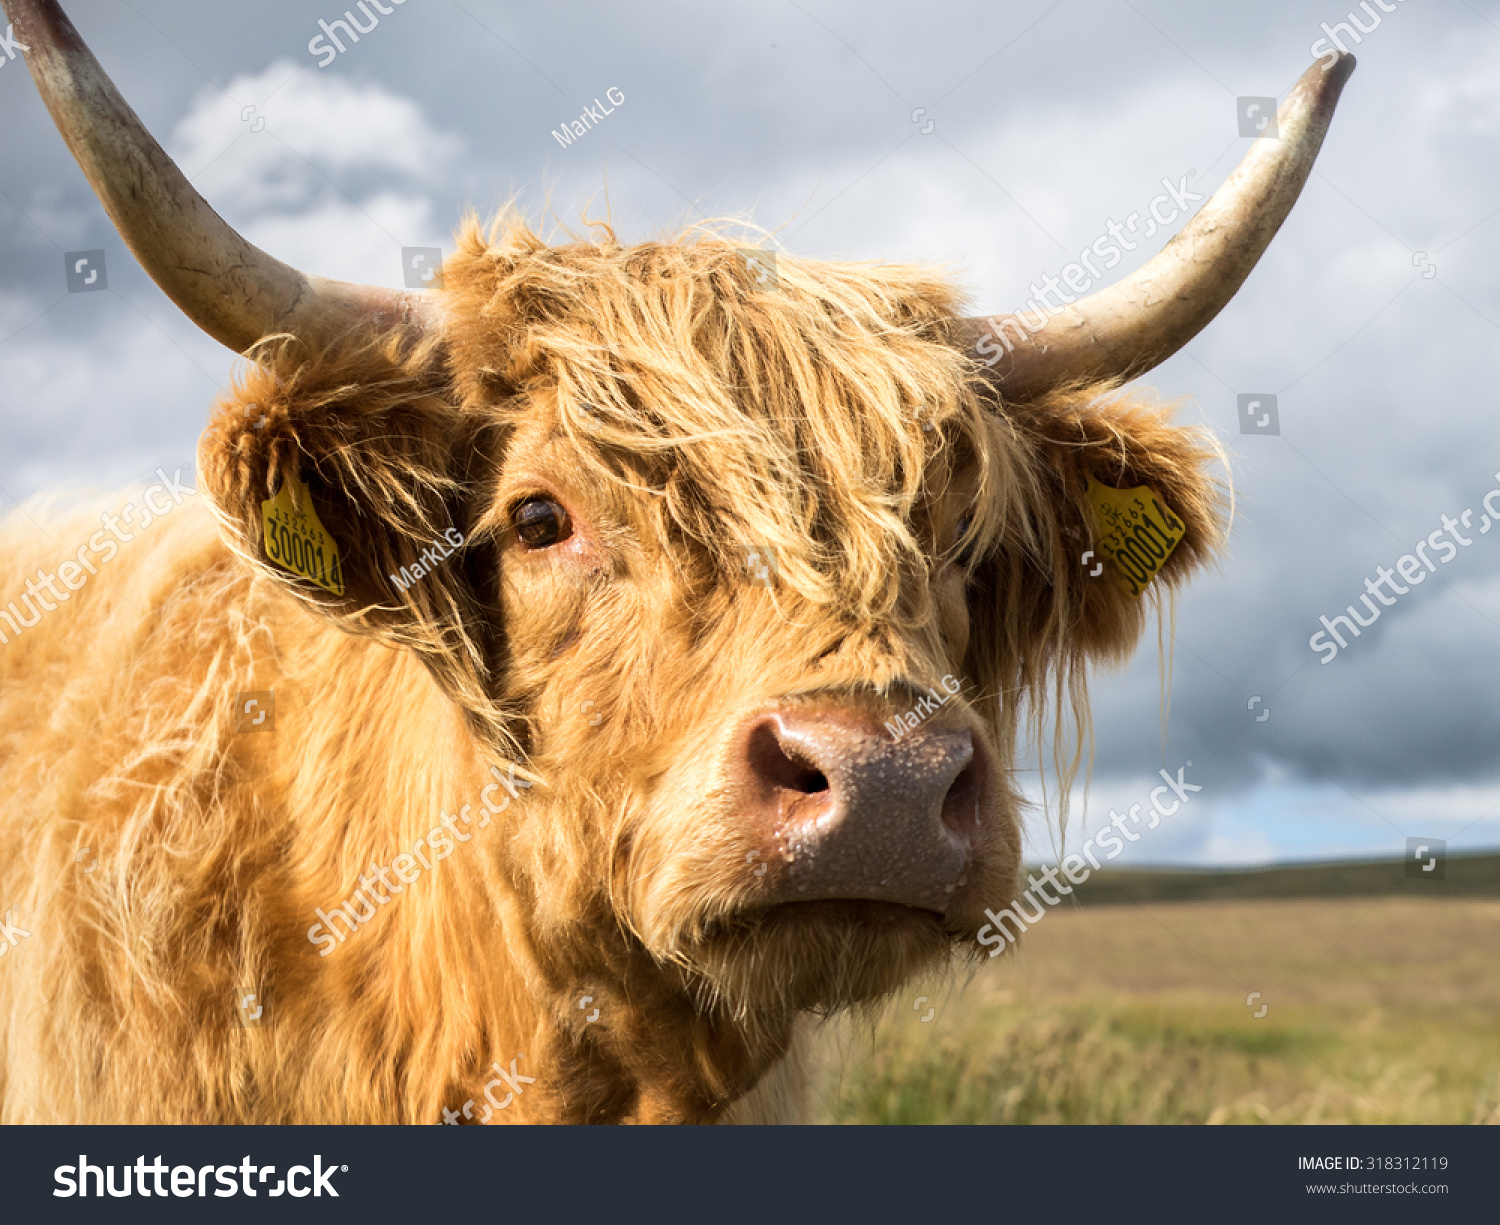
(230, 288)
(1142, 319)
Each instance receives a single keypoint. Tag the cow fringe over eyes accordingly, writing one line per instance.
(805, 417)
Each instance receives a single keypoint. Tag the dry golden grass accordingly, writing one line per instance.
(1380, 1010)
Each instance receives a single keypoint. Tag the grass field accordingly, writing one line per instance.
(1379, 1009)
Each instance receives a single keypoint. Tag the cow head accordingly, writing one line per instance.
(759, 577)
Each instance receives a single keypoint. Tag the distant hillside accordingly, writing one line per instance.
(1463, 876)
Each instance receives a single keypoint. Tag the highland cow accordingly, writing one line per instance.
(586, 588)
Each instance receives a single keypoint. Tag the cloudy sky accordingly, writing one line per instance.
(997, 139)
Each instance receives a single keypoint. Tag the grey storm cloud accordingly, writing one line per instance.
(997, 140)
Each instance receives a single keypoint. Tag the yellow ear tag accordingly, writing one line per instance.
(296, 541)
(1135, 530)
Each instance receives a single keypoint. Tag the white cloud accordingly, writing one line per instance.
(311, 123)
(354, 242)
(339, 177)
(72, 436)
(1467, 100)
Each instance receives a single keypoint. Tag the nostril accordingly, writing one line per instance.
(961, 804)
(810, 782)
(772, 763)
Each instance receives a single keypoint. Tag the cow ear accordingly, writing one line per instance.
(355, 463)
(1085, 446)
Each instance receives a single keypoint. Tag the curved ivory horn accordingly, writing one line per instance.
(230, 288)
(1139, 322)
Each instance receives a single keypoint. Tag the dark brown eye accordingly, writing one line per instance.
(541, 522)
(964, 549)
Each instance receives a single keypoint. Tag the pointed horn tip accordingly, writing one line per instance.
(1323, 82)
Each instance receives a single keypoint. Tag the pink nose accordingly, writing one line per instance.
(840, 810)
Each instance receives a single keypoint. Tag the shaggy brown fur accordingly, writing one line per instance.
(684, 417)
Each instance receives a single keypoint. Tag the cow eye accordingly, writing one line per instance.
(964, 551)
(541, 522)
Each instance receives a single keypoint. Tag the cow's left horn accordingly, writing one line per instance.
(230, 288)
(1139, 322)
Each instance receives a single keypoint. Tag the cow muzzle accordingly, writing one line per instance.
(836, 809)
